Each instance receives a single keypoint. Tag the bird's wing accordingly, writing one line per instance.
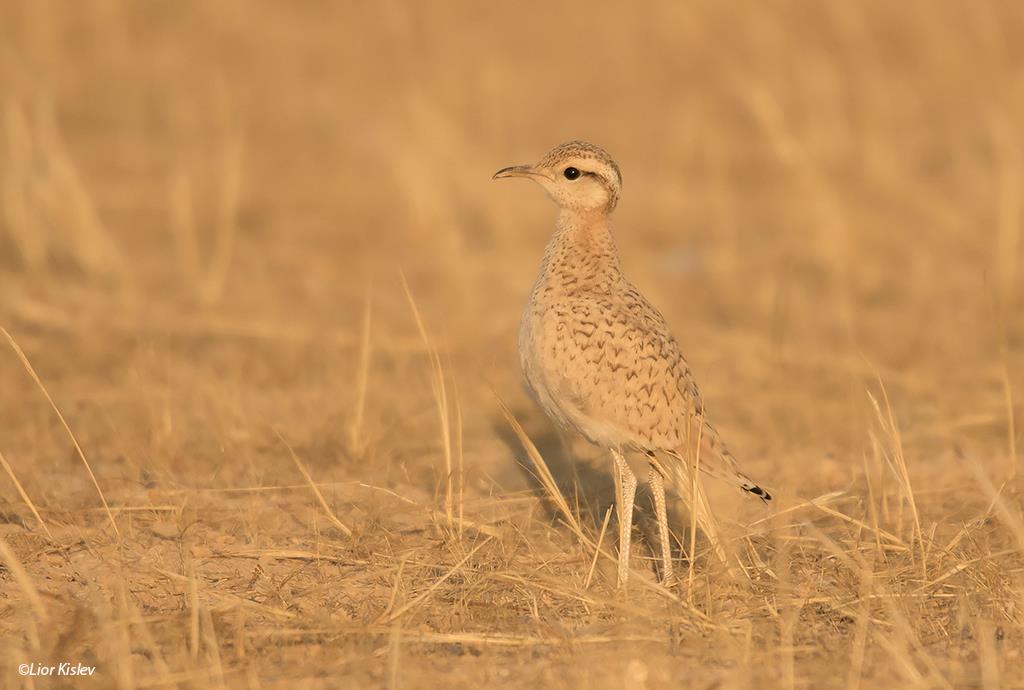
(649, 390)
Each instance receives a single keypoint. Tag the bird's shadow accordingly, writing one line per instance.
(589, 489)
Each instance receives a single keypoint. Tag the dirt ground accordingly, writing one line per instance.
(259, 297)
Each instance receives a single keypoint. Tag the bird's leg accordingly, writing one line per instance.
(626, 486)
(657, 484)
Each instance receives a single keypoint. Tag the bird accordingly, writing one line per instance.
(601, 360)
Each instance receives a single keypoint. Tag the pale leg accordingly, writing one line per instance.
(657, 484)
(626, 486)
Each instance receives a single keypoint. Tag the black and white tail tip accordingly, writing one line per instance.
(753, 488)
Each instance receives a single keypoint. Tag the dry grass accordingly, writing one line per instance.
(234, 456)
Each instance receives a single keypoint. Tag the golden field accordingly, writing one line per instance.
(260, 296)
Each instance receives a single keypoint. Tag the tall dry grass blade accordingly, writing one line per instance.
(962, 566)
(888, 424)
(824, 499)
(121, 643)
(78, 448)
(695, 499)
(316, 490)
(860, 633)
(872, 508)
(688, 485)
(1009, 517)
(847, 559)
(440, 398)
(183, 226)
(94, 248)
(1006, 146)
(905, 646)
(212, 646)
(543, 473)
(1011, 424)
(880, 533)
(24, 495)
(903, 661)
(146, 641)
(193, 611)
(394, 655)
(214, 281)
(787, 613)
(988, 654)
(362, 376)
(433, 587)
(17, 192)
(812, 177)
(597, 549)
(460, 460)
(231, 165)
(396, 587)
(240, 620)
(60, 201)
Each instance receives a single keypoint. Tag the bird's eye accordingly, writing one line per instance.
(571, 173)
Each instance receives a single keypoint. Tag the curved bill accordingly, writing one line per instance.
(515, 171)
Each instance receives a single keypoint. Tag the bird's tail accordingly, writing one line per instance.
(690, 490)
(715, 460)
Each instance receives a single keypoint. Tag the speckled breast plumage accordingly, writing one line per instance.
(598, 357)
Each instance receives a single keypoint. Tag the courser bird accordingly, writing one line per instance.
(600, 359)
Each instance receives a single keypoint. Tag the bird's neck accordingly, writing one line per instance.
(582, 250)
(589, 230)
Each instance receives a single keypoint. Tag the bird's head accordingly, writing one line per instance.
(577, 175)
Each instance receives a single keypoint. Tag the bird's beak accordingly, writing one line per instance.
(516, 171)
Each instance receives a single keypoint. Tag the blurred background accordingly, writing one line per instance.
(200, 199)
(207, 208)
